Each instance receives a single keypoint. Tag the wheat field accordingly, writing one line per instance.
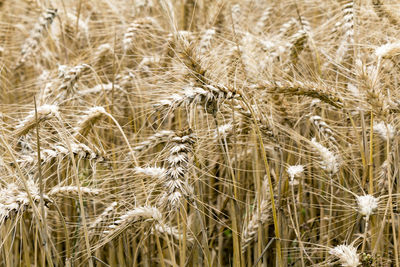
(199, 133)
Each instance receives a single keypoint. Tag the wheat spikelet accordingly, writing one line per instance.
(25, 144)
(36, 35)
(124, 80)
(208, 96)
(305, 24)
(382, 173)
(99, 88)
(299, 88)
(138, 214)
(172, 46)
(45, 94)
(44, 112)
(72, 191)
(385, 130)
(297, 41)
(323, 128)
(367, 205)
(348, 28)
(347, 255)
(175, 183)
(388, 50)
(297, 44)
(14, 199)
(330, 161)
(348, 19)
(236, 13)
(205, 41)
(9, 201)
(336, 30)
(74, 35)
(104, 215)
(370, 86)
(196, 70)
(135, 29)
(173, 231)
(263, 20)
(58, 90)
(294, 171)
(69, 77)
(246, 120)
(48, 154)
(84, 151)
(103, 54)
(147, 64)
(153, 140)
(84, 125)
(155, 172)
(262, 215)
(286, 28)
(224, 131)
(79, 149)
(168, 52)
(233, 64)
(250, 232)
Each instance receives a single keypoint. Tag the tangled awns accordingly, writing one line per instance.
(199, 133)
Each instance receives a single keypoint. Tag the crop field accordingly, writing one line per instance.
(199, 133)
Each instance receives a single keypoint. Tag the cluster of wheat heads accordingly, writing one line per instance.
(199, 133)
